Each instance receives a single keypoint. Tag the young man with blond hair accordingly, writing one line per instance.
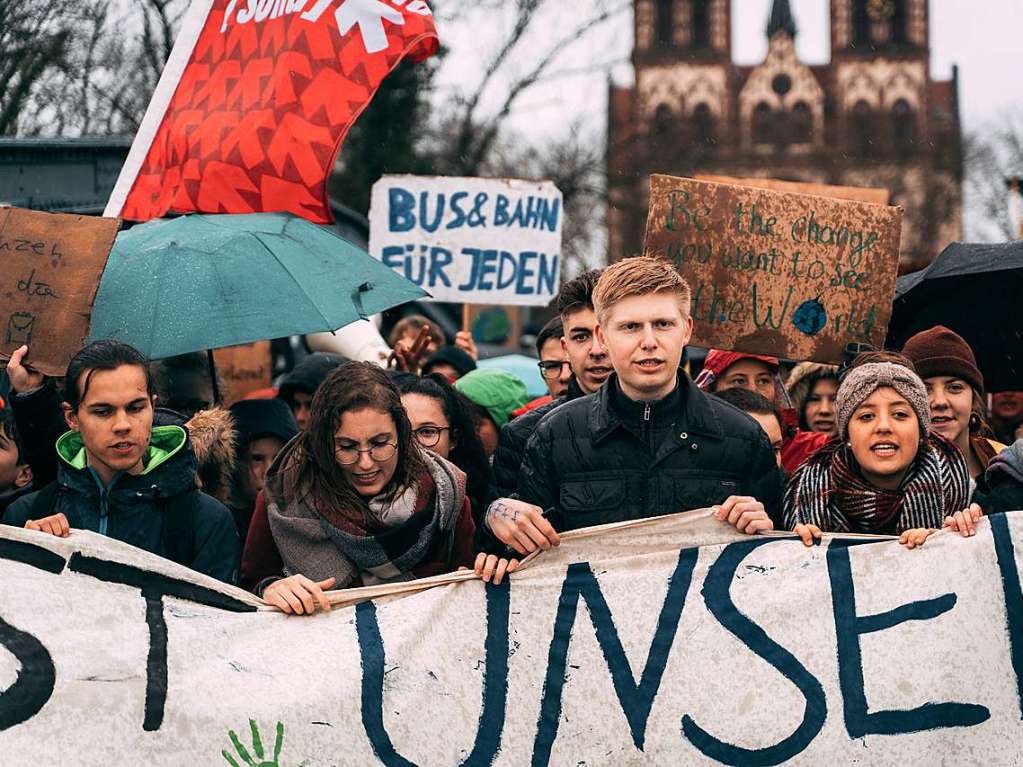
(648, 442)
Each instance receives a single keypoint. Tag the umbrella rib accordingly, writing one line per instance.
(328, 325)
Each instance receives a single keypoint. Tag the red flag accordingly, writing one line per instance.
(256, 100)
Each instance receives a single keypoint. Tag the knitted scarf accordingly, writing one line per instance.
(828, 491)
(383, 545)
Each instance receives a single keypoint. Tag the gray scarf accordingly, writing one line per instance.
(309, 544)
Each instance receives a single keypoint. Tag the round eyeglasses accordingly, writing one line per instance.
(429, 436)
(347, 455)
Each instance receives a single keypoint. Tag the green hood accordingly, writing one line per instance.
(164, 443)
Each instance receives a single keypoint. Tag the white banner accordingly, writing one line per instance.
(471, 240)
(672, 641)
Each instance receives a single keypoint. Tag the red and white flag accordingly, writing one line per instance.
(256, 100)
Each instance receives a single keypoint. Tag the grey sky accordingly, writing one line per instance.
(981, 36)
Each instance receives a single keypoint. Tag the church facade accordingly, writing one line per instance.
(872, 117)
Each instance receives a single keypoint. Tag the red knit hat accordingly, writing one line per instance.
(939, 351)
(719, 361)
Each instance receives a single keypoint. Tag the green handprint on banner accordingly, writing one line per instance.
(257, 748)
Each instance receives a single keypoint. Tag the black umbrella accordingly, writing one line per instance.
(977, 291)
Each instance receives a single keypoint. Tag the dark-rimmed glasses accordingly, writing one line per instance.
(552, 368)
(429, 436)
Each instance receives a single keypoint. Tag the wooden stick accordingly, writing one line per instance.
(466, 311)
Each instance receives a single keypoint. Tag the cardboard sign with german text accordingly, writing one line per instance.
(50, 266)
(789, 275)
(243, 369)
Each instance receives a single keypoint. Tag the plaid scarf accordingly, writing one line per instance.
(829, 492)
(322, 542)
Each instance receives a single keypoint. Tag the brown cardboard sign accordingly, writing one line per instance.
(772, 273)
(243, 369)
(50, 267)
(873, 195)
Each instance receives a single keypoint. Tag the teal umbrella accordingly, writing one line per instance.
(524, 368)
(173, 286)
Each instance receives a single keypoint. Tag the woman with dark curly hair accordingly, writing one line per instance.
(354, 499)
(442, 421)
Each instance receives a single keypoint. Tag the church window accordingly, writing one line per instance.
(763, 124)
(701, 23)
(903, 126)
(802, 123)
(861, 129)
(703, 125)
(665, 23)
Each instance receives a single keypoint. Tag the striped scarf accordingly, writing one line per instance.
(829, 492)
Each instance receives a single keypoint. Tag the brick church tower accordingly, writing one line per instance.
(871, 117)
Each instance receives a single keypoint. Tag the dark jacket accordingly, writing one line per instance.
(131, 508)
(1004, 477)
(605, 458)
(511, 445)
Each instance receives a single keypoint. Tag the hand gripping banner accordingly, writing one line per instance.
(667, 641)
(256, 100)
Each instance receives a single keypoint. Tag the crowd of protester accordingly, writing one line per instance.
(351, 474)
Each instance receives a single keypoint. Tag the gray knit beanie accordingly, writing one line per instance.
(862, 381)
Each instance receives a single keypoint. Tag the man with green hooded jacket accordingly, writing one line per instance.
(119, 476)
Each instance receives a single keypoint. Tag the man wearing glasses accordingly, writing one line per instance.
(588, 367)
(554, 365)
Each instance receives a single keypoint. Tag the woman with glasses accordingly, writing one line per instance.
(354, 500)
(442, 421)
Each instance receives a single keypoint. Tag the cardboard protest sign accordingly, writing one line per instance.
(51, 263)
(243, 369)
(256, 99)
(873, 195)
(773, 273)
(470, 240)
(668, 641)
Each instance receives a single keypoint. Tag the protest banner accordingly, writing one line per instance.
(243, 369)
(52, 263)
(667, 641)
(470, 240)
(789, 275)
(256, 99)
(873, 195)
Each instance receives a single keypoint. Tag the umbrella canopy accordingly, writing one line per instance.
(976, 290)
(522, 367)
(173, 286)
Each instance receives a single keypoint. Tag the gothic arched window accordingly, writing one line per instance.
(762, 128)
(861, 25)
(802, 123)
(900, 22)
(664, 23)
(663, 124)
(903, 126)
(703, 126)
(861, 129)
(701, 24)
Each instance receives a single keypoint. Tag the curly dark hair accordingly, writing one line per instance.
(468, 453)
(352, 386)
(578, 293)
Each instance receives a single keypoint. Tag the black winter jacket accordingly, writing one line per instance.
(605, 458)
(131, 508)
(511, 445)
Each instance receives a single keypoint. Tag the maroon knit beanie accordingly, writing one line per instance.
(939, 351)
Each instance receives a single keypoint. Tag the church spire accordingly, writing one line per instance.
(781, 19)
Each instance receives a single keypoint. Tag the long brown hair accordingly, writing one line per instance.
(352, 386)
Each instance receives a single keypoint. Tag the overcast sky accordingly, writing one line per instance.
(981, 36)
